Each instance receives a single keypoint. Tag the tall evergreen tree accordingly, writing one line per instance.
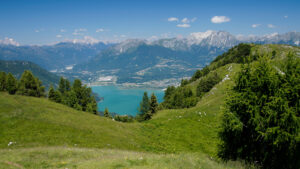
(30, 86)
(145, 105)
(54, 95)
(51, 93)
(62, 85)
(11, 84)
(261, 119)
(144, 108)
(153, 104)
(68, 85)
(2, 81)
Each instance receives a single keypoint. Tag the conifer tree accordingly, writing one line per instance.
(62, 85)
(106, 113)
(153, 104)
(2, 81)
(92, 105)
(261, 118)
(11, 84)
(51, 93)
(30, 86)
(145, 105)
(68, 85)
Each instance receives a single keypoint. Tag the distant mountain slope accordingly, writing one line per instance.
(52, 57)
(18, 67)
(142, 62)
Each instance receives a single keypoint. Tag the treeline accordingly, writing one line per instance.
(28, 85)
(77, 96)
(261, 121)
(183, 95)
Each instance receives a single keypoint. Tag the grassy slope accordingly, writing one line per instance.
(34, 122)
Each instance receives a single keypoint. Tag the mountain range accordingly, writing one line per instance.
(138, 61)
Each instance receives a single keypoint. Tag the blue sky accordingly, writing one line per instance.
(50, 21)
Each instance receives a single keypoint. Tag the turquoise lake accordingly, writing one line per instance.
(123, 101)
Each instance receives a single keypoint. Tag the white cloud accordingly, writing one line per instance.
(58, 36)
(63, 30)
(100, 30)
(172, 19)
(185, 20)
(255, 25)
(123, 36)
(79, 31)
(9, 41)
(220, 19)
(193, 19)
(285, 16)
(185, 25)
(37, 31)
(86, 40)
(271, 26)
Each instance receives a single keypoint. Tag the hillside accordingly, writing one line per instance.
(52, 57)
(30, 122)
(51, 135)
(18, 67)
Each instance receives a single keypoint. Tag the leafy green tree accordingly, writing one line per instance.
(153, 104)
(2, 81)
(106, 113)
(30, 86)
(261, 119)
(11, 84)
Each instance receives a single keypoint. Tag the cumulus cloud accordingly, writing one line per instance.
(58, 36)
(185, 20)
(271, 26)
(85, 40)
(172, 19)
(220, 19)
(285, 16)
(63, 30)
(9, 41)
(185, 25)
(255, 25)
(100, 30)
(79, 31)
